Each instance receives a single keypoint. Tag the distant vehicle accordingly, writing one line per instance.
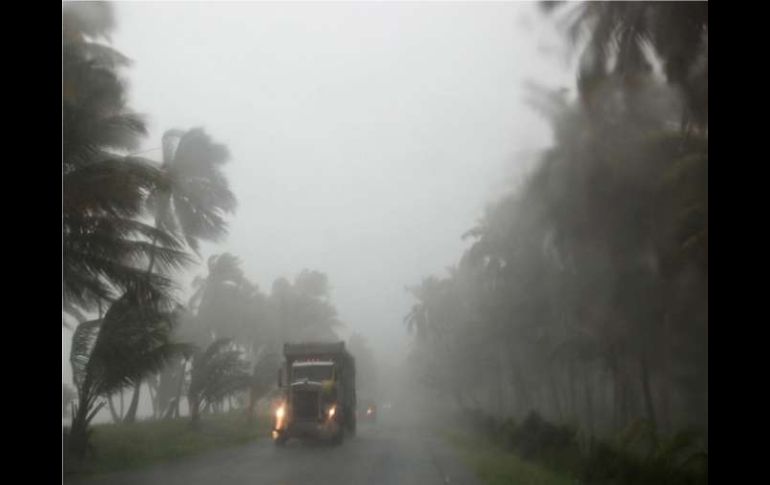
(368, 412)
(318, 395)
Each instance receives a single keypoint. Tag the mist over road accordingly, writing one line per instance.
(386, 453)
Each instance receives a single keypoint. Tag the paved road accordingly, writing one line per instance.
(381, 454)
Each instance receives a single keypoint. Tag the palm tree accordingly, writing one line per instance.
(417, 320)
(195, 196)
(104, 243)
(429, 297)
(218, 307)
(128, 344)
(104, 248)
(590, 281)
(225, 281)
(229, 306)
(620, 31)
(191, 200)
(302, 310)
(217, 372)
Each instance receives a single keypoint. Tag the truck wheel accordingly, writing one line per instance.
(280, 440)
(338, 438)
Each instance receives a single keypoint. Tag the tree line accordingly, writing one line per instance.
(130, 227)
(583, 294)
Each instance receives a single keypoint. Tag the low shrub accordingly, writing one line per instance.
(637, 457)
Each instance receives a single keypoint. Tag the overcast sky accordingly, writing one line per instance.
(366, 138)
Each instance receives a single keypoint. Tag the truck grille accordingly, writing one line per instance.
(305, 404)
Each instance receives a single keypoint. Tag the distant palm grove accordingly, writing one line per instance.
(584, 293)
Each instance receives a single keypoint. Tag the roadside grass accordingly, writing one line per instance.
(495, 466)
(117, 447)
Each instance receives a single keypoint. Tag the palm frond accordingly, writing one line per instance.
(133, 342)
(218, 371)
(92, 19)
(115, 186)
(83, 340)
(197, 197)
(104, 55)
(105, 254)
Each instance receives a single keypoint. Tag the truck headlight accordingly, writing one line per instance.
(332, 410)
(280, 413)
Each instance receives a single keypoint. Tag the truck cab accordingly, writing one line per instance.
(318, 400)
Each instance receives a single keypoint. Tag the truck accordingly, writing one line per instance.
(317, 393)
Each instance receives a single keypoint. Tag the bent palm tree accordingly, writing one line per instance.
(217, 372)
(104, 243)
(216, 307)
(129, 343)
(195, 196)
(191, 199)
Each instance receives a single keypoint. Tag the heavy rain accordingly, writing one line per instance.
(384, 242)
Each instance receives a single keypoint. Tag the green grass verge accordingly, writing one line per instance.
(128, 446)
(495, 466)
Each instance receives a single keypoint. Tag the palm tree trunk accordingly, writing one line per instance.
(113, 413)
(169, 412)
(153, 400)
(194, 410)
(131, 413)
(78, 438)
(252, 402)
(167, 386)
(180, 388)
(130, 416)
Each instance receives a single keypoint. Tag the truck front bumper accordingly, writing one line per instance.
(309, 429)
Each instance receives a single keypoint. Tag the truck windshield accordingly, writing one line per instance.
(313, 372)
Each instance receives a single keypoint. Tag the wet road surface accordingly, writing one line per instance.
(380, 454)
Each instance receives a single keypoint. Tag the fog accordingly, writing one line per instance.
(500, 207)
(366, 138)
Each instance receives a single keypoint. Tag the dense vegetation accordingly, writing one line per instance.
(130, 226)
(584, 293)
(534, 450)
